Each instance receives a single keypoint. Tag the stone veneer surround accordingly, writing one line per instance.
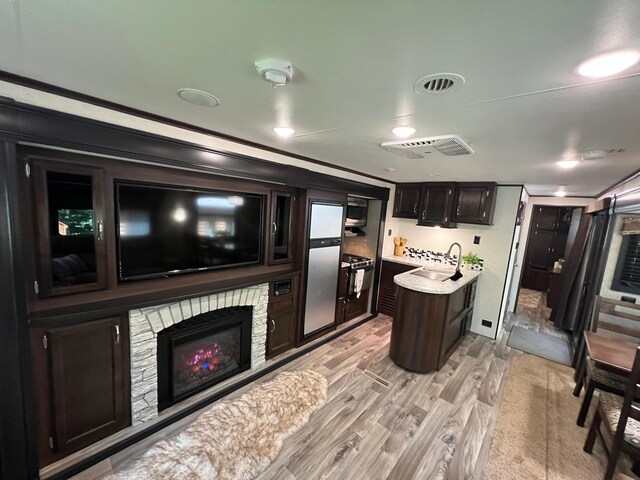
(145, 323)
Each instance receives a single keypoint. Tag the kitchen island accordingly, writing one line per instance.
(431, 318)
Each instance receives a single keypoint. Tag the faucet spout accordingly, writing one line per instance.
(448, 254)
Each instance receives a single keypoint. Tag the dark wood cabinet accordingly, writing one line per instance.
(69, 205)
(82, 380)
(406, 200)
(436, 205)
(387, 292)
(546, 244)
(349, 306)
(282, 316)
(280, 245)
(475, 203)
(427, 328)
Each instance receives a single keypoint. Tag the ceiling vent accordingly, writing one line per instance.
(449, 145)
(439, 83)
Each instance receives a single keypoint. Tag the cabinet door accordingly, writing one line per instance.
(280, 332)
(88, 368)
(69, 211)
(407, 197)
(356, 306)
(436, 204)
(343, 282)
(546, 218)
(280, 249)
(387, 293)
(474, 203)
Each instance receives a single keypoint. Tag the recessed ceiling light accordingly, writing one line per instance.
(567, 163)
(560, 193)
(609, 63)
(389, 169)
(403, 132)
(284, 131)
(198, 97)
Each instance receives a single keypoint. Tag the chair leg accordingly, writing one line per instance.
(593, 432)
(586, 403)
(580, 374)
(612, 461)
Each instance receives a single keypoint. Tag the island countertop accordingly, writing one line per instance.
(434, 287)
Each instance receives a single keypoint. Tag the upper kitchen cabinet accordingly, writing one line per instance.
(280, 250)
(436, 205)
(475, 203)
(407, 199)
(69, 211)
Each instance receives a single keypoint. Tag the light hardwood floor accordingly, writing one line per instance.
(437, 425)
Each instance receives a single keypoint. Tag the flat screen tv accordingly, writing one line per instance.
(167, 230)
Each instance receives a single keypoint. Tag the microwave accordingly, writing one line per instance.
(357, 211)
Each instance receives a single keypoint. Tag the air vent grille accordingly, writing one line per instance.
(439, 83)
(449, 145)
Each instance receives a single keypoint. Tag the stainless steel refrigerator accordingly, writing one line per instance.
(325, 237)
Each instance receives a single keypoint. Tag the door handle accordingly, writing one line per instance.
(100, 226)
(274, 228)
(117, 329)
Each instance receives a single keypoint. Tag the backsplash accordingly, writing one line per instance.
(359, 246)
(439, 258)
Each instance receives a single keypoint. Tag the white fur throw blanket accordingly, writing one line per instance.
(235, 439)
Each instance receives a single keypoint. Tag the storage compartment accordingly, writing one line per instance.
(436, 205)
(475, 203)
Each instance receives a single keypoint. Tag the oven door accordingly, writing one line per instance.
(367, 281)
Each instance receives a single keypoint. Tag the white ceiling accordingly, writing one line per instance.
(355, 64)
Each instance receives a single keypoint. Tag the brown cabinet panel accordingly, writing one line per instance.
(84, 395)
(406, 200)
(356, 305)
(282, 318)
(343, 282)
(282, 228)
(387, 293)
(475, 203)
(281, 327)
(436, 205)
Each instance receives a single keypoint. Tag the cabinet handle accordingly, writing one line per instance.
(100, 229)
(484, 214)
(274, 228)
(415, 208)
(424, 214)
(273, 325)
(117, 328)
(458, 210)
(445, 219)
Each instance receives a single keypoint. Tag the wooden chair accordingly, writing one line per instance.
(621, 419)
(618, 319)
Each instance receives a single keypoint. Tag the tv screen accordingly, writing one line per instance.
(166, 230)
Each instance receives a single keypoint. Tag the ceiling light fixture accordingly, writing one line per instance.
(198, 97)
(276, 72)
(560, 192)
(389, 169)
(284, 132)
(609, 63)
(403, 132)
(567, 163)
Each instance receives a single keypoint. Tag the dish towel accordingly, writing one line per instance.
(359, 280)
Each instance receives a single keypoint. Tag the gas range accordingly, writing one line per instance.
(357, 262)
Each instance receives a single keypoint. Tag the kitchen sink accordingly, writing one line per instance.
(438, 277)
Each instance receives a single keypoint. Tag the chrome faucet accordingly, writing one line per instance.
(448, 255)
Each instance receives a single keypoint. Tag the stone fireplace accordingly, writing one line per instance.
(147, 323)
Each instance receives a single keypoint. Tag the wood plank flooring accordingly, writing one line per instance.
(436, 425)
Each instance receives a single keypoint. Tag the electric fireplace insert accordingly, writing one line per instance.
(202, 351)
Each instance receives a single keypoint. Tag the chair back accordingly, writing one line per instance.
(616, 318)
(631, 393)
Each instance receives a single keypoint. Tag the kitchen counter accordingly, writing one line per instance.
(426, 285)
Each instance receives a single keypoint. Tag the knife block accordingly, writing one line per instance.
(398, 251)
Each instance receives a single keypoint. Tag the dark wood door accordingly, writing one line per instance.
(407, 198)
(436, 204)
(281, 332)
(88, 369)
(281, 239)
(546, 244)
(69, 208)
(387, 293)
(475, 203)
(356, 306)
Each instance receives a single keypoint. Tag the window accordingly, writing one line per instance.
(627, 274)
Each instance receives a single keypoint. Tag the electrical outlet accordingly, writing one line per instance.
(389, 234)
(487, 323)
(476, 240)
